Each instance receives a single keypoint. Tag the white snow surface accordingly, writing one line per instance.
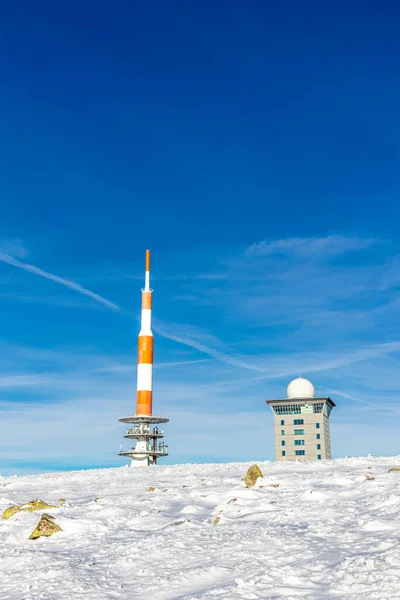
(325, 532)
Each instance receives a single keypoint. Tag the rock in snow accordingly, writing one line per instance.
(63, 502)
(252, 475)
(326, 532)
(45, 528)
(31, 506)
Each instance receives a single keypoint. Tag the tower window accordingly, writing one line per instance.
(283, 443)
(283, 453)
(318, 446)
(299, 421)
(282, 422)
(299, 432)
(317, 425)
(318, 436)
(300, 452)
(319, 457)
(299, 442)
(282, 432)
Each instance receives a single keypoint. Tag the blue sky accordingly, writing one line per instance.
(255, 149)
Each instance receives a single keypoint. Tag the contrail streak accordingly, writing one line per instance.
(189, 341)
(198, 344)
(10, 260)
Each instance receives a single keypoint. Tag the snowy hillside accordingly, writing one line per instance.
(312, 531)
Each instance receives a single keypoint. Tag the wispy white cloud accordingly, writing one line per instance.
(67, 301)
(120, 368)
(200, 340)
(10, 260)
(13, 247)
(293, 364)
(311, 246)
(349, 397)
(21, 381)
(310, 285)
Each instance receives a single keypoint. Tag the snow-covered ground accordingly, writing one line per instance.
(325, 532)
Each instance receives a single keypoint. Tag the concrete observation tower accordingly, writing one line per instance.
(301, 423)
(149, 445)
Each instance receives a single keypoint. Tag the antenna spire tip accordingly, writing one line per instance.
(147, 260)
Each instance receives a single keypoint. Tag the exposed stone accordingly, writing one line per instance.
(181, 522)
(252, 475)
(232, 500)
(30, 507)
(46, 527)
(10, 511)
(216, 520)
(63, 502)
(273, 485)
(393, 470)
(369, 478)
(151, 489)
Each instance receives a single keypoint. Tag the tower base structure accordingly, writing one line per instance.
(149, 446)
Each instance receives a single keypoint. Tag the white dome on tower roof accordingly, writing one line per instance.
(300, 388)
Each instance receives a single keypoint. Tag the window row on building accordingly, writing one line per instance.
(299, 432)
(301, 453)
(300, 443)
(296, 432)
(298, 409)
(300, 422)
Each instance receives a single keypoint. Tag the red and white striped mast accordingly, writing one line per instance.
(144, 398)
(149, 446)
